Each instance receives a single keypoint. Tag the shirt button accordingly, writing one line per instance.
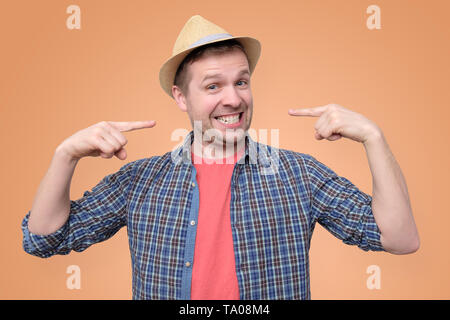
(187, 264)
(193, 184)
(192, 223)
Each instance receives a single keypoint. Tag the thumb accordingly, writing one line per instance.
(121, 154)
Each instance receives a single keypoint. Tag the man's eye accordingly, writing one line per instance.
(210, 86)
(244, 82)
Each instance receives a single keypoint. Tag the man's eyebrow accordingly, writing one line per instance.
(218, 75)
(245, 71)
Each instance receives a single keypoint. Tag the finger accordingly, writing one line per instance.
(330, 130)
(322, 119)
(320, 125)
(334, 137)
(309, 112)
(121, 154)
(132, 125)
(324, 129)
(117, 134)
(106, 150)
(318, 136)
(112, 141)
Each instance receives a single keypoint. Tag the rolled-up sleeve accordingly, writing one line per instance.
(95, 217)
(341, 208)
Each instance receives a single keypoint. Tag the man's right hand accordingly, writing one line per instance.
(103, 139)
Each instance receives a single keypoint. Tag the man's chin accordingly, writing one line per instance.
(233, 136)
(228, 135)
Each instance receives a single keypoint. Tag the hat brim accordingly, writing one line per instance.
(168, 70)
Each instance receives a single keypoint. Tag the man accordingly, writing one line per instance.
(209, 220)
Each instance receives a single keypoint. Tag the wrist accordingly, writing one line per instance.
(375, 137)
(62, 153)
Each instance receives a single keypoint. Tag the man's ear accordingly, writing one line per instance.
(179, 97)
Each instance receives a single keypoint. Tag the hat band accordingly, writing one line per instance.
(210, 38)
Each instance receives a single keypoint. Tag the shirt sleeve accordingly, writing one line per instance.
(341, 208)
(95, 217)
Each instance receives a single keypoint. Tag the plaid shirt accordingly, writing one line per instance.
(277, 196)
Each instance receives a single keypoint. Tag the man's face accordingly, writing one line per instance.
(219, 95)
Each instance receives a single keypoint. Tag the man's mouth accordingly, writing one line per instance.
(230, 119)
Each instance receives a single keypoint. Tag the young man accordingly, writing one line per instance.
(210, 220)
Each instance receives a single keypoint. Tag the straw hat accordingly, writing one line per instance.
(198, 32)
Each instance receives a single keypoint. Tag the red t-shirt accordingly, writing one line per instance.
(214, 270)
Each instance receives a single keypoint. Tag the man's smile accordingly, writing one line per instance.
(232, 120)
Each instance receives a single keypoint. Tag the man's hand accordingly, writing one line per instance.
(335, 122)
(391, 206)
(103, 139)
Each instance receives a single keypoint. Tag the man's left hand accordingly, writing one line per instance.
(336, 122)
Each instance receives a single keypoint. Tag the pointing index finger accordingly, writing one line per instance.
(311, 112)
(133, 125)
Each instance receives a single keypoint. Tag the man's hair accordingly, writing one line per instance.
(181, 76)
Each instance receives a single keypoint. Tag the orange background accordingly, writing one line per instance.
(56, 81)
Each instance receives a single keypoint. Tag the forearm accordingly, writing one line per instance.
(51, 205)
(390, 200)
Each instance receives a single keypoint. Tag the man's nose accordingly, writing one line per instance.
(231, 97)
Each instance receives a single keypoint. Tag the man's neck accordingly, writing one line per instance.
(216, 150)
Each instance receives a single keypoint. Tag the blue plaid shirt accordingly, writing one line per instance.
(277, 196)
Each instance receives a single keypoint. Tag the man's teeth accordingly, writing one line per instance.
(229, 119)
